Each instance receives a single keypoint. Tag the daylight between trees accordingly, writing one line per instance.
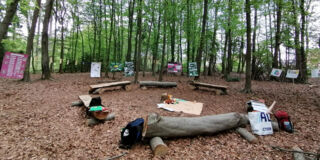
(222, 36)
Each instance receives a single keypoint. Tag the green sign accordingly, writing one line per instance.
(193, 71)
(116, 67)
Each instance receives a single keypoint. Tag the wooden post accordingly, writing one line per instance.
(247, 135)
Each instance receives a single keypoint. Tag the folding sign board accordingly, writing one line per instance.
(95, 69)
(174, 67)
(193, 71)
(276, 72)
(292, 73)
(116, 67)
(315, 73)
(13, 65)
(128, 69)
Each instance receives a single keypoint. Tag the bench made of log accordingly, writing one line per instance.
(199, 84)
(107, 85)
(157, 84)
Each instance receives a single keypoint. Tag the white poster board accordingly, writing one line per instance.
(276, 72)
(292, 74)
(95, 69)
(315, 73)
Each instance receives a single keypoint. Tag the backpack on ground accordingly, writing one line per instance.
(284, 121)
(132, 133)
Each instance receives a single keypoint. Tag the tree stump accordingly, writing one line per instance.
(92, 121)
(158, 147)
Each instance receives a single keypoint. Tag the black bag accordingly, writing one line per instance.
(132, 133)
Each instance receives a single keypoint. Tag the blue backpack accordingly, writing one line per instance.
(132, 133)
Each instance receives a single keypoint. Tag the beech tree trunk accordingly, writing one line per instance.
(275, 62)
(26, 76)
(164, 41)
(45, 41)
(247, 87)
(160, 126)
(131, 11)
(4, 25)
(202, 38)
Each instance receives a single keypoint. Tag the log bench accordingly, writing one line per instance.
(207, 85)
(157, 84)
(123, 84)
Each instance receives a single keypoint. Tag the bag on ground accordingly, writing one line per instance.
(284, 121)
(132, 133)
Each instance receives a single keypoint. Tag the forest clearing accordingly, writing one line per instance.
(37, 120)
(159, 79)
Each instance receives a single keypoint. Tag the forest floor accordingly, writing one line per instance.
(38, 122)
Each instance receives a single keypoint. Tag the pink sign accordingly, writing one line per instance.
(13, 65)
(174, 67)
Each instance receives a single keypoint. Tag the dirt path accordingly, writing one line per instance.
(36, 120)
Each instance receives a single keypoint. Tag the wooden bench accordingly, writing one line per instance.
(123, 84)
(199, 84)
(157, 84)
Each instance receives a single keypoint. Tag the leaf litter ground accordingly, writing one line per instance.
(38, 122)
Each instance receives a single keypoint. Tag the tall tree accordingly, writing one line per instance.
(63, 11)
(155, 45)
(110, 37)
(202, 38)
(4, 25)
(229, 59)
(275, 62)
(213, 55)
(139, 35)
(45, 41)
(26, 76)
(130, 26)
(254, 58)
(164, 39)
(247, 87)
(173, 28)
(303, 75)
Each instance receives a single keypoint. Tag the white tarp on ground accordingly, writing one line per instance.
(183, 106)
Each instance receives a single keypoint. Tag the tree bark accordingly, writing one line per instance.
(254, 58)
(229, 61)
(139, 35)
(131, 12)
(275, 63)
(247, 87)
(4, 25)
(26, 76)
(303, 76)
(109, 45)
(45, 41)
(164, 40)
(202, 38)
(155, 44)
(166, 127)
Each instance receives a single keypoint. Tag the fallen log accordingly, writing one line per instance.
(161, 126)
(77, 103)
(158, 147)
(275, 126)
(157, 84)
(247, 135)
(297, 155)
(93, 121)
